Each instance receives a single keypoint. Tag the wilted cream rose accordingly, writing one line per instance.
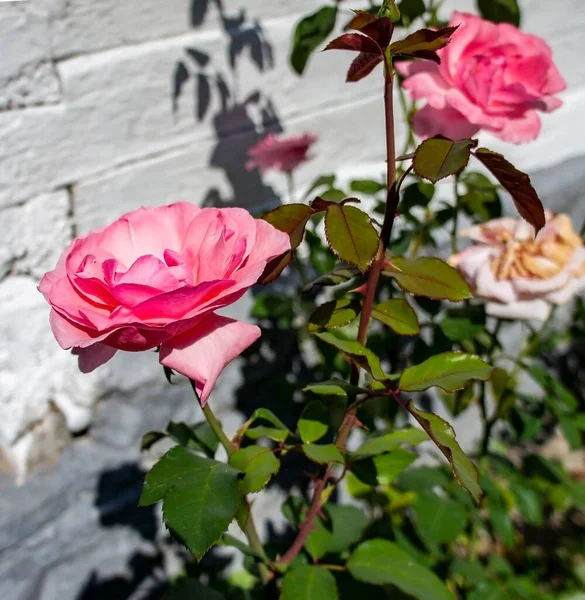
(520, 276)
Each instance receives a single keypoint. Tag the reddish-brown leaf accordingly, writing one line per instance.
(427, 40)
(275, 267)
(362, 66)
(380, 31)
(355, 42)
(517, 184)
(361, 19)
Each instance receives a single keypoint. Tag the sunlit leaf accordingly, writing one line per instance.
(351, 235)
(336, 313)
(200, 497)
(355, 42)
(438, 157)
(443, 435)
(314, 421)
(382, 441)
(398, 315)
(382, 469)
(381, 562)
(306, 582)
(361, 355)
(450, 371)
(430, 277)
(334, 387)
(291, 219)
(323, 453)
(259, 465)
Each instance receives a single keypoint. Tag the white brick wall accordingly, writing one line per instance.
(88, 131)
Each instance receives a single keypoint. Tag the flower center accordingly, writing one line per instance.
(548, 255)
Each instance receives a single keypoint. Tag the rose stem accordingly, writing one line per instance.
(250, 527)
(454, 231)
(373, 277)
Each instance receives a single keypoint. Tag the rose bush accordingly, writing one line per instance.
(521, 276)
(284, 154)
(492, 77)
(155, 277)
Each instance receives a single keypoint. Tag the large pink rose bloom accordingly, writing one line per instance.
(284, 154)
(522, 277)
(154, 278)
(492, 77)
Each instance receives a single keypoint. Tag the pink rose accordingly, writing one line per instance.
(280, 154)
(521, 276)
(155, 277)
(492, 77)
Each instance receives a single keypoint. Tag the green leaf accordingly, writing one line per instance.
(334, 314)
(439, 519)
(560, 398)
(529, 503)
(310, 32)
(385, 441)
(272, 433)
(187, 589)
(381, 562)
(234, 542)
(150, 438)
(334, 387)
(416, 194)
(348, 524)
(291, 219)
(383, 468)
(398, 315)
(342, 273)
(412, 9)
(306, 582)
(423, 44)
(443, 436)
(429, 277)
(517, 184)
(323, 453)
(463, 324)
(322, 181)
(361, 355)
(200, 497)
(500, 11)
(450, 371)
(367, 186)
(351, 235)
(438, 157)
(314, 422)
(481, 199)
(258, 463)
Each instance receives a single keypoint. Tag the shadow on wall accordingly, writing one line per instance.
(117, 500)
(241, 118)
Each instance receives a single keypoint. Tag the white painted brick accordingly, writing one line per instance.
(27, 76)
(111, 23)
(117, 107)
(34, 371)
(185, 175)
(32, 235)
